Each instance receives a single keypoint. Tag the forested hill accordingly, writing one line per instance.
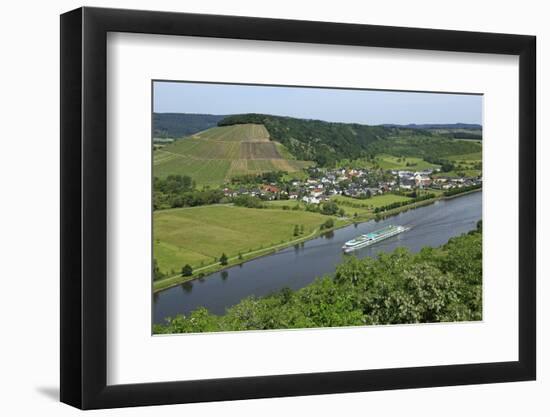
(450, 130)
(328, 142)
(430, 126)
(316, 140)
(177, 125)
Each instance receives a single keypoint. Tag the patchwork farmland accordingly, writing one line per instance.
(215, 155)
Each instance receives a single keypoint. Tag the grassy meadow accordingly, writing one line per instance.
(199, 235)
(386, 161)
(465, 165)
(363, 208)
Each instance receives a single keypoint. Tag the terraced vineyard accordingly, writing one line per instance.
(215, 155)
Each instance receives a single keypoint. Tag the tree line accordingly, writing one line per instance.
(455, 191)
(176, 191)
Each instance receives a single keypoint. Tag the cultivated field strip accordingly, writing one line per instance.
(162, 157)
(236, 133)
(259, 150)
(238, 167)
(204, 149)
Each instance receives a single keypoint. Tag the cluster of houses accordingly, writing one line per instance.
(446, 183)
(408, 180)
(349, 182)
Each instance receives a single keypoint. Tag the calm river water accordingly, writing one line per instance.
(296, 267)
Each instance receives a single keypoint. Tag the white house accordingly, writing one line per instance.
(311, 200)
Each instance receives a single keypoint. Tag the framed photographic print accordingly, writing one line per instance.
(257, 208)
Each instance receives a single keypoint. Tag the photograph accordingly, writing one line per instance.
(291, 207)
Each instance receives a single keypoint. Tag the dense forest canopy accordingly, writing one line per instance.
(327, 142)
(177, 125)
(434, 285)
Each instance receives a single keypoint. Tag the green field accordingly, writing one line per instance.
(468, 164)
(199, 235)
(204, 172)
(370, 203)
(385, 161)
(214, 156)
(363, 207)
(455, 173)
(288, 203)
(362, 210)
(236, 133)
(476, 156)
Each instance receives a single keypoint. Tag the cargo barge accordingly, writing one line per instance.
(372, 238)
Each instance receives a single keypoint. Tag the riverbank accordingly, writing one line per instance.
(201, 272)
(422, 203)
(299, 294)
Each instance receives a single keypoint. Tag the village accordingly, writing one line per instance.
(322, 183)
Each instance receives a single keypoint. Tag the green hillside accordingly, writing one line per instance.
(214, 156)
(326, 143)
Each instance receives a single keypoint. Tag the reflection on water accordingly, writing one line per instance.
(299, 265)
(187, 287)
(328, 235)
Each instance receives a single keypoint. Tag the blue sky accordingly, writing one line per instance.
(335, 105)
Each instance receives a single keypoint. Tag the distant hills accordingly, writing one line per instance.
(326, 143)
(177, 125)
(430, 126)
(451, 130)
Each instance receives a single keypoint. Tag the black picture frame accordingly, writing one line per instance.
(84, 207)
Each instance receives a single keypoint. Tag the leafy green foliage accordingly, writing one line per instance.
(186, 271)
(179, 191)
(262, 178)
(328, 224)
(455, 191)
(157, 274)
(174, 184)
(435, 285)
(330, 208)
(248, 201)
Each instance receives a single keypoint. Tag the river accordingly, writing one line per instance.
(298, 266)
